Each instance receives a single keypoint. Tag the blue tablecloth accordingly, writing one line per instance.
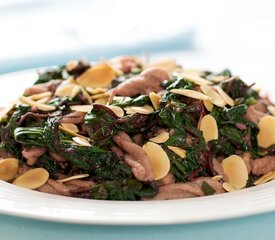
(256, 227)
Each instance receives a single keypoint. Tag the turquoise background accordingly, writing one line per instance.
(255, 227)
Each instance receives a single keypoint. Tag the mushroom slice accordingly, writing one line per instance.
(82, 141)
(179, 151)
(8, 168)
(158, 159)
(40, 106)
(209, 128)
(117, 110)
(79, 176)
(81, 108)
(215, 98)
(266, 135)
(236, 171)
(191, 94)
(155, 99)
(100, 75)
(225, 96)
(161, 138)
(32, 179)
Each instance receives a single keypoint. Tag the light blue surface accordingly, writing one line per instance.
(256, 227)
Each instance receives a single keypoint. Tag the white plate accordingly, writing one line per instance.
(26, 203)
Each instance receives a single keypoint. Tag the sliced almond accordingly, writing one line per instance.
(72, 133)
(235, 169)
(70, 126)
(155, 99)
(179, 151)
(117, 110)
(228, 187)
(8, 168)
(265, 178)
(161, 138)
(129, 110)
(143, 110)
(86, 94)
(82, 141)
(79, 176)
(102, 101)
(69, 90)
(195, 78)
(266, 135)
(40, 95)
(217, 79)
(209, 128)
(208, 105)
(215, 98)
(100, 95)
(217, 177)
(191, 94)
(94, 91)
(32, 179)
(158, 158)
(81, 108)
(100, 75)
(271, 109)
(225, 96)
(169, 65)
(40, 106)
(44, 100)
(4, 112)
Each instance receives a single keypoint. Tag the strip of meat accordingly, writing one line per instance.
(168, 179)
(116, 150)
(57, 157)
(47, 188)
(148, 81)
(218, 168)
(59, 187)
(247, 160)
(43, 87)
(78, 186)
(74, 117)
(263, 165)
(135, 156)
(253, 114)
(32, 154)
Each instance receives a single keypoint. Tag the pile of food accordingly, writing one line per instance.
(123, 129)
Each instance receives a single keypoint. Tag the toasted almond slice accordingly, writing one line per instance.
(82, 141)
(216, 79)
(102, 101)
(4, 112)
(209, 128)
(215, 98)
(86, 94)
(208, 105)
(81, 108)
(225, 96)
(158, 158)
(40, 106)
(169, 65)
(79, 176)
(235, 169)
(266, 135)
(44, 100)
(155, 99)
(161, 138)
(129, 110)
(8, 168)
(100, 95)
(191, 94)
(70, 126)
(179, 151)
(117, 110)
(71, 132)
(143, 110)
(265, 178)
(118, 98)
(70, 65)
(217, 177)
(40, 95)
(228, 187)
(100, 75)
(195, 78)
(32, 179)
(68, 90)
(95, 91)
(271, 109)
